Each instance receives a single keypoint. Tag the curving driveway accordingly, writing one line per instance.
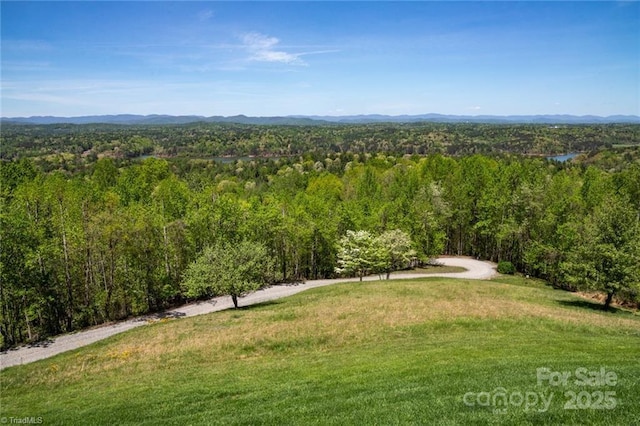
(475, 269)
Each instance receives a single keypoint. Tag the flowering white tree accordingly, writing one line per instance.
(397, 250)
(359, 253)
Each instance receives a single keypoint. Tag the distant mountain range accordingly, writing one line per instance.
(317, 120)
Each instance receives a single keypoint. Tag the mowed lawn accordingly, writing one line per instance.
(429, 351)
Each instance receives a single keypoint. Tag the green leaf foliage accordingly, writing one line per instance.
(607, 257)
(505, 267)
(91, 233)
(228, 269)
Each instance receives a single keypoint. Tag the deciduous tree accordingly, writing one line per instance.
(229, 269)
(395, 246)
(359, 253)
(607, 257)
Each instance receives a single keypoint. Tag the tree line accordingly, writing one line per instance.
(72, 147)
(112, 241)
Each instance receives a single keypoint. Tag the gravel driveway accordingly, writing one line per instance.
(476, 270)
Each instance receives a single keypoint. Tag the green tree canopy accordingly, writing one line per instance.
(228, 269)
(607, 257)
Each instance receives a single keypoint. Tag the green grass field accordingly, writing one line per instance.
(430, 351)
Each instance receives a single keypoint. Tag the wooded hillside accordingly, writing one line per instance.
(108, 239)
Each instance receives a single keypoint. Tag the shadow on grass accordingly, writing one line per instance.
(257, 306)
(587, 304)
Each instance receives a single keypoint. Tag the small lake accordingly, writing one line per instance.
(564, 157)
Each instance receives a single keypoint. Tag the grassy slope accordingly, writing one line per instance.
(362, 353)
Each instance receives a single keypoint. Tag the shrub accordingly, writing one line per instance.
(505, 267)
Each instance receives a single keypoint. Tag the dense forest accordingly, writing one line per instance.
(70, 146)
(90, 234)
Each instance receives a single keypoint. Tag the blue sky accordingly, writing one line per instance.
(320, 58)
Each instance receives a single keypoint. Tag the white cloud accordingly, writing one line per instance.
(28, 45)
(259, 41)
(205, 15)
(78, 97)
(263, 49)
(25, 66)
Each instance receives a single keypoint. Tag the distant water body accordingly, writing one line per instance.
(564, 157)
